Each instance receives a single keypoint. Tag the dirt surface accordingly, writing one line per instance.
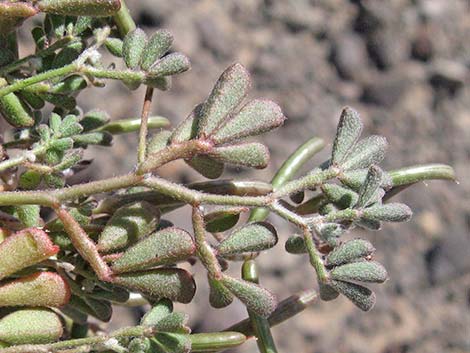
(405, 66)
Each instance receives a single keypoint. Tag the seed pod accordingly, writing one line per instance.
(133, 47)
(361, 296)
(350, 251)
(340, 196)
(15, 112)
(256, 236)
(223, 219)
(348, 132)
(327, 292)
(114, 46)
(164, 247)
(255, 155)
(30, 326)
(254, 118)
(128, 224)
(389, 212)
(95, 8)
(256, 298)
(368, 151)
(369, 191)
(158, 142)
(38, 289)
(227, 94)
(219, 296)
(172, 64)
(295, 245)
(206, 166)
(23, 249)
(29, 180)
(158, 44)
(172, 283)
(100, 309)
(158, 312)
(94, 119)
(361, 271)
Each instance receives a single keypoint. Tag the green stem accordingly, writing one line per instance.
(121, 75)
(260, 325)
(123, 19)
(416, 173)
(288, 170)
(24, 157)
(315, 257)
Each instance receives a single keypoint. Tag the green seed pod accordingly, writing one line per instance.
(206, 166)
(348, 132)
(102, 138)
(368, 151)
(350, 251)
(29, 215)
(219, 296)
(32, 99)
(361, 296)
(254, 118)
(255, 155)
(158, 44)
(128, 224)
(172, 283)
(172, 64)
(95, 8)
(361, 271)
(256, 298)
(164, 247)
(223, 219)
(159, 311)
(114, 46)
(29, 180)
(340, 196)
(370, 191)
(100, 309)
(158, 142)
(15, 112)
(71, 84)
(389, 212)
(188, 128)
(227, 94)
(25, 248)
(256, 236)
(38, 289)
(133, 47)
(327, 292)
(30, 326)
(296, 245)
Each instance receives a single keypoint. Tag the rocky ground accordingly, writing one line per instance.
(405, 66)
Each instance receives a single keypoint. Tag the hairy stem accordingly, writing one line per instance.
(142, 149)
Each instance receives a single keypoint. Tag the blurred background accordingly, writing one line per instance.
(405, 66)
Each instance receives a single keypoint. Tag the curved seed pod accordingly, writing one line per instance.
(164, 247)
(256, 298)
(94, 119)
(133, 47)
(158, 312)
(172, 283)
(114, 46)
(368, 151)
(340, 196)
(95, 8)
(354, 179)
(172, 64)
(369, 191)
(30, 326)
(227, 94)
(296, 245)
(255, 155)
(219, 296)
(327, 292)
(23, 249)
(361, 296)
(158, 44)
(350, 251)
(158, 142)
(206, 166)
(361, 271)
(38, 289)
(256, 236)
(15, 112)
(256, 117)
(223, 219)
(389, 212)
(348, 132)
(100, 309)
(127, 225)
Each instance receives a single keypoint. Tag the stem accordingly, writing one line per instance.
(315, 257)
(123, 19)
(142, 149)
(24, 157)
(416, 173)
(260, 325)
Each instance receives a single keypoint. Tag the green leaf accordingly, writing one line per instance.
(172, 283)
(60, 100)
(100, 309)
(164, 247)
(368, 151)
(227, 94)
(69, 126)
(29, 215)
(174, 322)
(350, 251)
(30, 326)
(255, 155)
(23, 249)
(340, 196)
(390, 212)
(128, 224)
(114, 46)
(15, 112)
(219, 296)
(188, 128)
(158, 44)
(32, 99)
(158, 142)
(38, 289)
(172, 343)
(295, 244)
(327, 292)
(94, 119)
(254, 118)
(29, 180)
(256, 236)
(206, 166)
(361, 296)
(71, 158)
(256, 298)
(361, 271)
(348, 132)
(114, 294)
(159, 311)
(133, 47)
(69, 85)
(354, 179)
(330, 232)
(223, 219)
(54, 181)
(96, 8)
(171, 64)
(102, 138)
(370, 191)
